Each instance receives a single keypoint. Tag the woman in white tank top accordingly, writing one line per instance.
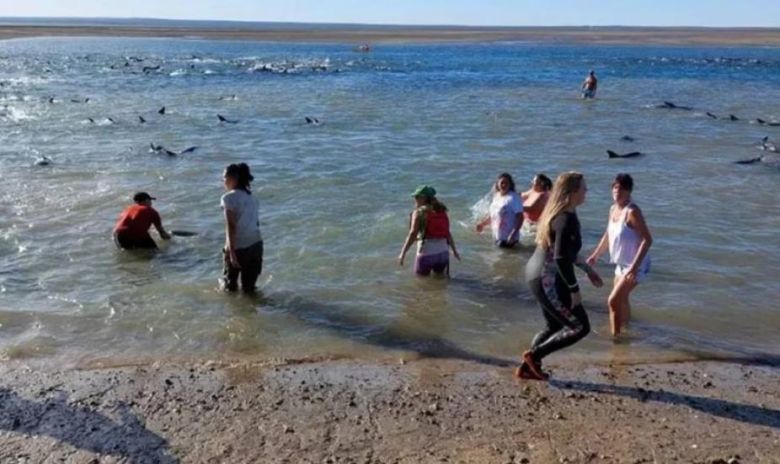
(628, 240)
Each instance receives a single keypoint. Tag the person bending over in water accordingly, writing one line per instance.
(430, 226)
(550, 275)
(132, 229)
(534, 201)
(506, 213)
(628, 240)
(243, 252)
(590, 85)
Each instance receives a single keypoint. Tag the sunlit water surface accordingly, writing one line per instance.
(335, 197)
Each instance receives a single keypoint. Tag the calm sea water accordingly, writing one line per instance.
(335, 198)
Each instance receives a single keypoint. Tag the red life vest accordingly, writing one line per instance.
(435, 224)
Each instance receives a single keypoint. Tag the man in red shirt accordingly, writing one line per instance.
(132, 229)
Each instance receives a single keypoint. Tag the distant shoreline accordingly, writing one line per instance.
(354, 34)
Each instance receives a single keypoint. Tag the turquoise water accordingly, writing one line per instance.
(335, 197)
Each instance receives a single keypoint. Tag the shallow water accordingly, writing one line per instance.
(335, 197)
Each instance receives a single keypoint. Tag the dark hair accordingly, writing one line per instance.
(435, 204)
(240, 172)
(508, 177)
(546, 182)
(624, 181)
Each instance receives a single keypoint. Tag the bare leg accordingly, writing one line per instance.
(613, 303)
(619, 307)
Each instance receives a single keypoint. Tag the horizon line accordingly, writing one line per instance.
(370, 24)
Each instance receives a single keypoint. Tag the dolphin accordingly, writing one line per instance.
(43, 161)
(226, 120)
(627, 138)
(161, 110)
(750, 161)
(672, 106)
(766, 146)
(632, 154)
(141, 119)
(147, 69)
(313, 121)
(767, 123)
(733, 118)
(161, 149)
(711, 115)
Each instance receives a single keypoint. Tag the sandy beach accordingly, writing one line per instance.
(438, 402)
(418, 34)
(424, 411)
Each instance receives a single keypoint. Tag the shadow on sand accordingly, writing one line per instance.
(747, 413)
(411, 337)
(83, 428)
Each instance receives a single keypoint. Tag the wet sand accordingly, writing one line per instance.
(425, 411)
(419, 34)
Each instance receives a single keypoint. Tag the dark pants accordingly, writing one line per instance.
(506, 244)
(251, 261)
(133, 243)
(565, 325)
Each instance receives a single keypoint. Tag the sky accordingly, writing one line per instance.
(713, 13)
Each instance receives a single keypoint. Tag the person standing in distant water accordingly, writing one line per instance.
(430, 227)
(628, 239)
(550, 275)
(590, 85)
(534, 201)
(243, 252)
(132, 229)
(506, 213)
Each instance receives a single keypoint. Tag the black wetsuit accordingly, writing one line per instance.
(550, 275)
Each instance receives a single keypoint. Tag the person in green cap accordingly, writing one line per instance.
(430, 227)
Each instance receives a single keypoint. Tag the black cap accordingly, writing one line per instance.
(142, 196)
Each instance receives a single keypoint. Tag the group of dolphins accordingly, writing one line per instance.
(765, 144)
(153, 148)
(159, 149)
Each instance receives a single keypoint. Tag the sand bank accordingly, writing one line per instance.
(416, 34)
(427, 411)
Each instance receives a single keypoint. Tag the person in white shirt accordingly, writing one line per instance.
(506, 213)
(243, 252)
(628, 239)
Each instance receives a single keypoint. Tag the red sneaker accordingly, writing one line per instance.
(534, 369)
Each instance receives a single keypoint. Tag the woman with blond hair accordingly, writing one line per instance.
(550, 275)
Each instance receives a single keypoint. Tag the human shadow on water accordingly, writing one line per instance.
(83, 428)
(405, 337)
(747, 413)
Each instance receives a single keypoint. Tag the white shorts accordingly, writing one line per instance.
(641, 274)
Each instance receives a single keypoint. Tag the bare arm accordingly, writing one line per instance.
(603, 243)
(484, 222)
(160, 229)
(519, 224)
(410, 237)
(599, 250)
(230, 233)
(534, 206)
(451, 243)
(637, 222)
